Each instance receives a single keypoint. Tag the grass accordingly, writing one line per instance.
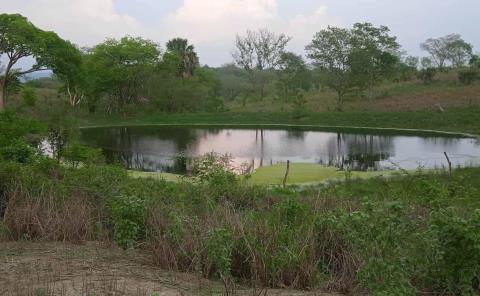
(155, 175)
(301, 173)
(455, 120)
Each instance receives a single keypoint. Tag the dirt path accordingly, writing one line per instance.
(44, 269)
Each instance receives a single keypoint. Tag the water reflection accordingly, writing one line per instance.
(168, 149)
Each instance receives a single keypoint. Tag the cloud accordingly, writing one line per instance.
(209, 24)
(213, 20)
(85, 22)
(212, 24)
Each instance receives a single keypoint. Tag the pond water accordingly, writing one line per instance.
(168, 148)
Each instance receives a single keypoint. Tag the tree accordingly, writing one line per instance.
(259, 52)
(412, 61)
(474, 61)
(374, 55)
(293, 74)
(460, 52)
(119, 70)
(426, 63)
(188, 57)
(20, 39)
(448, 48)
(330, 50)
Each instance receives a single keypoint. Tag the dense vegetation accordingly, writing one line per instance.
(405, 235)
(402, 236)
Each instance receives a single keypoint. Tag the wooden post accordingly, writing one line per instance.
(286, 173)
(449, 164)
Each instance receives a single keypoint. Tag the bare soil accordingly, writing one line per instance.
(44, 269)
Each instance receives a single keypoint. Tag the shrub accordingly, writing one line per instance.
(76, 154)
(427, 75)
(468, 76)
(29, 96)
(457, 266)
(17, 151)
(128, 215)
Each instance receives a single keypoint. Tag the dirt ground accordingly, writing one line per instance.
(44, 269)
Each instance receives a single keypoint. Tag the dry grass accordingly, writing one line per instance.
(45, 218)
(37, 269)
(404, 96)
(254, 248)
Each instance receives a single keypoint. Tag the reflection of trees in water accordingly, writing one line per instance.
(149, 163)
(295, 134)
(127, 145)
(358, 152)
(447, 143)
(160, 148)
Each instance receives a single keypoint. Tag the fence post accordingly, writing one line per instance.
(286, 173)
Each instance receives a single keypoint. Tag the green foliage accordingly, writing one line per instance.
(293, 75)
(188, 59)
(117, 70)
(359, 57)
(213, 167)
(458, 251)
(17, 151)
(43, 82)
(220, 243)
(427, 75)
(468, 76)
(29, 97)
(20, 38)
(76, 154)
(14, 129)
(128, 215)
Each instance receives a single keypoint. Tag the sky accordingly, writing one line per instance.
(211, 25)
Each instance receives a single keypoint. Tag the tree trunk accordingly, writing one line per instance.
(3, 93)
(339, 106)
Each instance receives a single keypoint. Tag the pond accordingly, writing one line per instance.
(168, 148)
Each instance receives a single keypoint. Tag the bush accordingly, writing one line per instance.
(17, 151)
(128, 215)
(468, 76)
(29, 96)
(76, 154)
(427, 75)
(457, 266)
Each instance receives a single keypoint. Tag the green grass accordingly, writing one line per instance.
(155, 175)
(300, 174)
(454, 120)
(303, 173)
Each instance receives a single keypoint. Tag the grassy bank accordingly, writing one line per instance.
(397, 236)
(455, 120)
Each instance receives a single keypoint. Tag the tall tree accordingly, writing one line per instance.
(293, 74)
(330, 50)
(374, 55)
(448, 48)
(258, 53)
(359, 57)
(118, 70)
(188, 57)
(20, 39)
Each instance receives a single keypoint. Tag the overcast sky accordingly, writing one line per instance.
(211, 25)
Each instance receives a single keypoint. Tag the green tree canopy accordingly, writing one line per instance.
(19, 39)
(118, 70)
(186, 52)
(359, 57)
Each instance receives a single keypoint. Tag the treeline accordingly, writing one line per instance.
(122, 76)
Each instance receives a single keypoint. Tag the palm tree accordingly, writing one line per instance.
(187, 54)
